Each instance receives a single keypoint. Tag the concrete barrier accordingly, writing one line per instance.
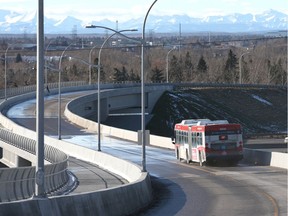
(90, 125)
(266, 158)
(120, 200)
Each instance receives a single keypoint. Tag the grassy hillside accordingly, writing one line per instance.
(257, 110)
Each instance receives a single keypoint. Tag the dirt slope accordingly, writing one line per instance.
(257, 110)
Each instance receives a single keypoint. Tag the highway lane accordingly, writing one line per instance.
(90, 177)
(193, 190)
(182, 189)
(24, 114)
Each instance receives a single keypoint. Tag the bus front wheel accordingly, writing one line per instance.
(200, 158)
(177, 154)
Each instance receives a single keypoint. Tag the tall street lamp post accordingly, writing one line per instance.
(90, 61)
(46, 75)
(240, 65)
(143, 92)
(167, 63)
(99, 71)
(59, 92)
(39, 174)
(143, 140)
(59, 87)
(5, 78)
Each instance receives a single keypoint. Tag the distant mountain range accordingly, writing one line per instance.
(271, 20)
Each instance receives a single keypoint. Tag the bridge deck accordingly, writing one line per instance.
(90, 176)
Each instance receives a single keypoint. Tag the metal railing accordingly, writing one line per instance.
(19, 183)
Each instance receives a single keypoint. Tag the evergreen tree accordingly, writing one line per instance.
(157, 75)
(202, 66)
(175, 70)
(18, 58)
(3, 60)
(230, 69)
(73, 72)
(94, 69)
(188, 67)
(121, 75)
(134, 77)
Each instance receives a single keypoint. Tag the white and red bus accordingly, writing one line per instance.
(203, 140)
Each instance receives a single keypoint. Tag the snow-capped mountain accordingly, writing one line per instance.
(17, 23)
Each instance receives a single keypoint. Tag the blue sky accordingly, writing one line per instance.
(126, 9)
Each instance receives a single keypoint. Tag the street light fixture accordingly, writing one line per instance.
(99, 70)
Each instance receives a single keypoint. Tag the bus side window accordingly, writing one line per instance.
(186, 137)
(199, 138)
(194, 144)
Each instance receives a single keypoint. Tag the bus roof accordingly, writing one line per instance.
(192, 122)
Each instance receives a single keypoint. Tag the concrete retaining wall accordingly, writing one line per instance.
(158, 141)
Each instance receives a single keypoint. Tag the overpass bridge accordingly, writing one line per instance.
(16, 158)
(110, 101)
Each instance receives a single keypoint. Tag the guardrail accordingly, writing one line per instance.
(19, 183)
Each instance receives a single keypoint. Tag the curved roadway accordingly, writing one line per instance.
(182, 189)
